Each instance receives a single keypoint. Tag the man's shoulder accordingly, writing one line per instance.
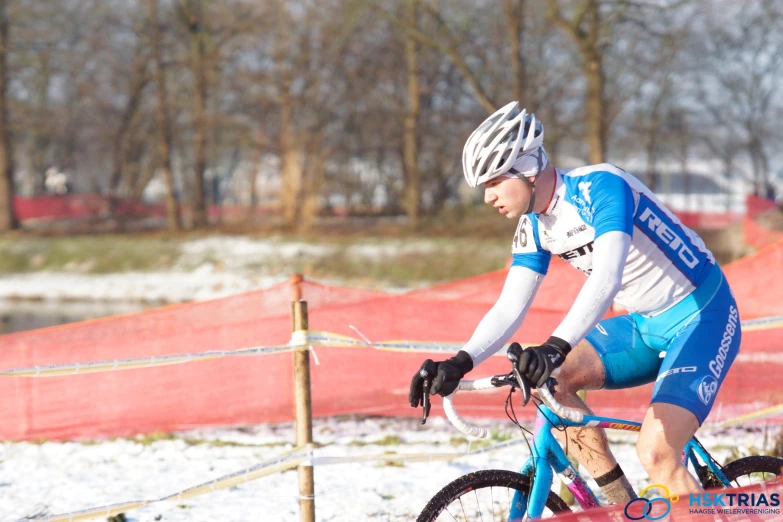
(601, 177)
(598, 170)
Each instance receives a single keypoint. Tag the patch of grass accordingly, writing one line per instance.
(390, 440)
(498, 436)
(217, 443)
(458, 441)
(391, 463)
(87, 254)
(461, 259)
(151, 438)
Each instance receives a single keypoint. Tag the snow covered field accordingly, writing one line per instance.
(207, 268)
(57, 477)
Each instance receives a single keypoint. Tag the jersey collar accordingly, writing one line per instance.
(557, 194)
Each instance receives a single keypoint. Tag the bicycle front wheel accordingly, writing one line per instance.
(482, 496)
(746, 471)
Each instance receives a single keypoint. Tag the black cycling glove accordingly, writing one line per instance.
(445, 376)
(538, 362)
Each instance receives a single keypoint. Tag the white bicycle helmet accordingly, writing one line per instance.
(498, 142)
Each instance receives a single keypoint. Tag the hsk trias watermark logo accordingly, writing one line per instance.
(656, 508)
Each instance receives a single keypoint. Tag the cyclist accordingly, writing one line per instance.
(683, 329)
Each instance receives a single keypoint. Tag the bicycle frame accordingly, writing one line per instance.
(548, 456)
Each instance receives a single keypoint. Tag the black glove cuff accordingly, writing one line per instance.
(464, 361)
(562, 346)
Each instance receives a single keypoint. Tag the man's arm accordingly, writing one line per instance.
(596, 296)
(506, 316)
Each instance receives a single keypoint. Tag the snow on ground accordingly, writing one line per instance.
(205, 282)
(207, 268)
(57, 477)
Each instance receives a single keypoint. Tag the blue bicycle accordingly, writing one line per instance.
(507, 496)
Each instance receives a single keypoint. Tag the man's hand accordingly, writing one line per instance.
(538, 362)
(445, 376)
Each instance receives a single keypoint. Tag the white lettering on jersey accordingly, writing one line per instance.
(716, 365)
(584, 187)
(655, 224)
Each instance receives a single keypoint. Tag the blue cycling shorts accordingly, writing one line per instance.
(687, 350)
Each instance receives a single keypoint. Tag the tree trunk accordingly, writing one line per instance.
(514, 27)
(587, 38)
(291, 161)
(314, 168)
(687, 180)
(197, 54)
(412, 198)
(40, 138)
(291, 153)
(7, 217)
(120, 145)
(652, 159)
(162, 122)
(595, 103)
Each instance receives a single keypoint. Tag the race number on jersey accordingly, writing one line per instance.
(524, 241)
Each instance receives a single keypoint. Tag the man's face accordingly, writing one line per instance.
(511, 196)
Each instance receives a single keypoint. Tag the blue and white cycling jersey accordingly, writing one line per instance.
(666, 260)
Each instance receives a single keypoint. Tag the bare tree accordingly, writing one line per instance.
(7, 216)
(412, 200)
(743, 59)
(587, 29)
(193, 15)
(162, 119)
(121, 146)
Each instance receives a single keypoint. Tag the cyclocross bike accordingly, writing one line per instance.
(506, 496)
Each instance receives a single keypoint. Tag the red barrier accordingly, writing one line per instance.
(708, 219)
(81, 206)
(757, 282)
(249, 390)
(758, 236)
(756, 205)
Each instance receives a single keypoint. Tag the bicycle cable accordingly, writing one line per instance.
(513, 418)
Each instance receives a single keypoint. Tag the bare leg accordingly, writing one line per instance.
(583, 370)
(665, 431)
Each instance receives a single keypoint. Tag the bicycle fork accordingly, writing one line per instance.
(547, 457)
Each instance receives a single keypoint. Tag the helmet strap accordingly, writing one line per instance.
(524, 166)
(532, 193)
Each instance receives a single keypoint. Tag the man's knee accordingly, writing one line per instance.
(655, 454)
(665, 431)
(582, 370)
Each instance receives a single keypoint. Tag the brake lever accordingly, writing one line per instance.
(524, 384)
(425, 396)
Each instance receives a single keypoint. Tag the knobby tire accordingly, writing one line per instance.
(479, 480)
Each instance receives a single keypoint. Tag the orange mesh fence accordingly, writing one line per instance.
(557, 292)
(757, 282)
(358, 380)
(758, 236)
(218, 392)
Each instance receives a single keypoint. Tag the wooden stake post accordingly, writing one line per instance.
(302, 402)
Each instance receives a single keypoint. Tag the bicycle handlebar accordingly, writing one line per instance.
(454, 417)
(495, 382)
